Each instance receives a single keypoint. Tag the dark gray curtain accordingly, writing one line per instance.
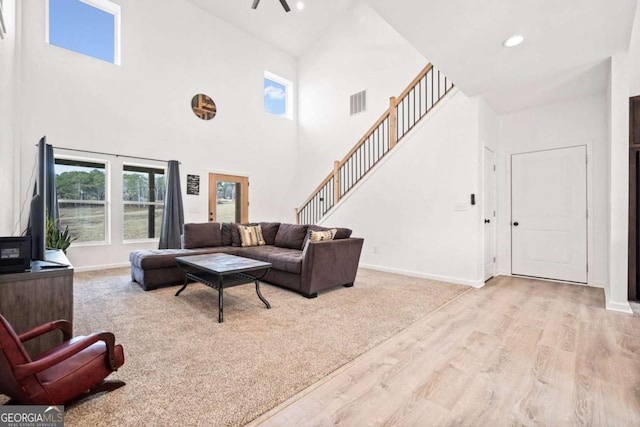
(173, 215)
(53, 212)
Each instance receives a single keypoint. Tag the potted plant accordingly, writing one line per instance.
(58, 238)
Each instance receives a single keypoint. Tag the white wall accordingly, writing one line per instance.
(170, 52)
(8, 83)
(360, 52)
(618, 121)
(406, 209)
(634, 56)
(577, 122)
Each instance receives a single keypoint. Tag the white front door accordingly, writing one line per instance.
(549, 214)
(489, 214)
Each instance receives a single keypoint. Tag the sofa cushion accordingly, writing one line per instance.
(202, 235)
(269, 231)
(291, 236)
(162, 258)
(225, 231)
(251, 235)
(283, 259)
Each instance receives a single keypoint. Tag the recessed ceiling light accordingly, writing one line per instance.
(513, 41)
(300, 5)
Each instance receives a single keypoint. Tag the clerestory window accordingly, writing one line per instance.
(278, 95)
(89, 27)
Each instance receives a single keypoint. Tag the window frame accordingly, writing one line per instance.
(288, 110)
(151, 169)
(107, 195)
(107, 7)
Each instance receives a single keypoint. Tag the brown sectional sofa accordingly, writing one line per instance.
(304, 266)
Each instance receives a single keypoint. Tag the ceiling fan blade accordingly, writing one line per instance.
(285, 5)
(255, 4)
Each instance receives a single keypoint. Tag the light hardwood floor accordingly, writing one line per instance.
(516, 352)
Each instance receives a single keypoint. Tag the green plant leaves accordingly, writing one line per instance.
(57, 238)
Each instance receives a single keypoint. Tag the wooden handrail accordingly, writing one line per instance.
(391, 114)
(365, 137)
(318, 188)
(415, 81)
(387, 113)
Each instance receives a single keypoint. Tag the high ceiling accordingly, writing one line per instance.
(564, 55)
(292, 32)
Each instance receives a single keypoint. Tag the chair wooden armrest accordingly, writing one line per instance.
(24, 370)
(62, 325)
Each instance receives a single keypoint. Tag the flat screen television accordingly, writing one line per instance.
(38, 212)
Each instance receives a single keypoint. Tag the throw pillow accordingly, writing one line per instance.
(319, 236)
(251, 235)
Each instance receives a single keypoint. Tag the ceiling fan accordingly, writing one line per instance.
(282, 2)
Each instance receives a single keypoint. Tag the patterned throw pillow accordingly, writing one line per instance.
(251, 235)
(319, 236)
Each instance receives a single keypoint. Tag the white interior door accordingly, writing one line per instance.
(549, 214)
(489, 214)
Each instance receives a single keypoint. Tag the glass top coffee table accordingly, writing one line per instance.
(220, 271)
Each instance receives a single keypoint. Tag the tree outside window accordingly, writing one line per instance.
(143, 190)
(81, 191)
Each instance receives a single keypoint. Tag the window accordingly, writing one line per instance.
(81, 188)
(89, 27)
(278, 95)
(143, 191)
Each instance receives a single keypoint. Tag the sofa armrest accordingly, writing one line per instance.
(330, 263)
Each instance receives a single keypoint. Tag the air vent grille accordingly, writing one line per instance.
(358, 102)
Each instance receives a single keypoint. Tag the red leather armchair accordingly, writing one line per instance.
(68, 372)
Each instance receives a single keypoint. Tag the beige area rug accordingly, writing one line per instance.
(184, 368)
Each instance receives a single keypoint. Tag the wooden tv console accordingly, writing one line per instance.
(36, 297)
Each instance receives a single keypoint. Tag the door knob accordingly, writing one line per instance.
(487, 221)
(515, 224)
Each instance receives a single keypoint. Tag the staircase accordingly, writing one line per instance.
(404, 112)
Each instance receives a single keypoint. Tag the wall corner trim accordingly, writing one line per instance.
(619, 306)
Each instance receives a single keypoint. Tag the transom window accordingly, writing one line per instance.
(278, 95)
(143, 189)
(89, 27)
(82, 198)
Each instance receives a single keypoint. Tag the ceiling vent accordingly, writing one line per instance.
(358, 102)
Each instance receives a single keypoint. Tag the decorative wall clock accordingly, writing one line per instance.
(203, 106)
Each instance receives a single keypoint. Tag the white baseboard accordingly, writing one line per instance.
(619, 306)
(597, 284)
(101, 267)
(455, 280)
